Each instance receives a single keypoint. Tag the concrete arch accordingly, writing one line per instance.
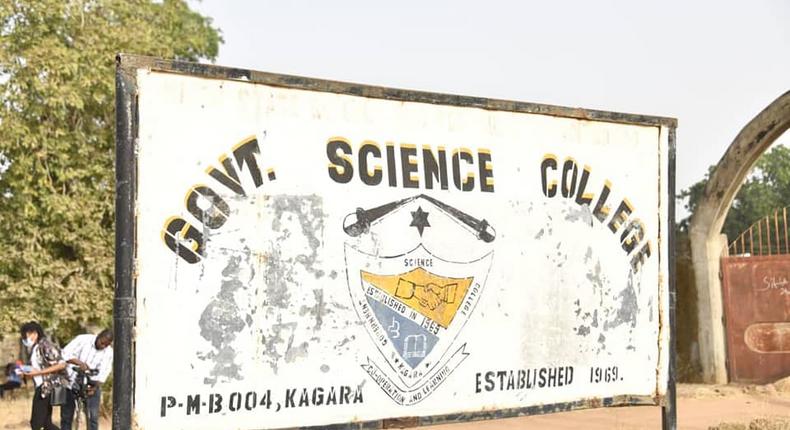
(707, 242)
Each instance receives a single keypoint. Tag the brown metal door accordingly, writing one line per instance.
(757, 313)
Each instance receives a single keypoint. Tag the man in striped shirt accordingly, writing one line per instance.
(87, 351)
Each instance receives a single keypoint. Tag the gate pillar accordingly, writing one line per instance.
(708, 219)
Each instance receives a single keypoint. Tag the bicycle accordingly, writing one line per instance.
(82, 389)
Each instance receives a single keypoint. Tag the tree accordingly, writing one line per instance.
(57, 146)
(765, 190)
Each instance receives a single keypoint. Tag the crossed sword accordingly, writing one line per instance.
(363, 218)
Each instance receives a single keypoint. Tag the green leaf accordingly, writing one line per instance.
(57, 74)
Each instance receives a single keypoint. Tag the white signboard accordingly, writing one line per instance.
(307, 257)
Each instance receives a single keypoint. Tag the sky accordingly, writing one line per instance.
(713, 65)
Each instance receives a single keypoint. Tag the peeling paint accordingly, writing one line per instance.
(272, 341)
(650, 309)
(220, 321)
(344, 342)
(293, 315)
(582, 214)
(294, 352)
(308, 210)
(628, 310)
(318, 311)
(613, 310)
(279, 269)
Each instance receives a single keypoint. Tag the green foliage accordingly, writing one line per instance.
(57, 116)
(766, 189)
(105, 404)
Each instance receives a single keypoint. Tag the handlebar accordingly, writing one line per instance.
(89, 372)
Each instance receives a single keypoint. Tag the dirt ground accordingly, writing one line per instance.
(700, 407)
(15, 412)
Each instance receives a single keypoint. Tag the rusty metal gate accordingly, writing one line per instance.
(756, 289)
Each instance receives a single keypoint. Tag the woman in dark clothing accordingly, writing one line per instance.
(48, 372)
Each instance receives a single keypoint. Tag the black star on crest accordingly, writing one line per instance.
(419, 219)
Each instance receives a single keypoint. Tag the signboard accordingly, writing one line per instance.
(307, 253)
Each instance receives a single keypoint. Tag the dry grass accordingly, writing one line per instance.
(15, 411)
(767, 423)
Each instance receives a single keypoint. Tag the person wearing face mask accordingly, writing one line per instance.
(47, 371)
(87, 351)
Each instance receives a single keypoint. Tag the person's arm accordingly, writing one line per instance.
(49, 354)
(51, 369)
(71, 351)
(78, 362)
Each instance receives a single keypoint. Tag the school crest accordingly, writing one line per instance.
(416, 269)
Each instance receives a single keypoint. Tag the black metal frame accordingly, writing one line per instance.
(125, 196)
(669, 410)
(126, 180)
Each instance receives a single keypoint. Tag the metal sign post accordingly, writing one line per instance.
(294, 252)
(669, 419)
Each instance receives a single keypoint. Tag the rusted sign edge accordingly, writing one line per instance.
(669, 400)
(592, 403)
(370, 91)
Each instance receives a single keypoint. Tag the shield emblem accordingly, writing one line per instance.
(415, 303)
